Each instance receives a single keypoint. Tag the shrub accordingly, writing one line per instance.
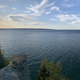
(3, 62)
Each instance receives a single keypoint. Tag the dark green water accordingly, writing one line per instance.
(63, 45)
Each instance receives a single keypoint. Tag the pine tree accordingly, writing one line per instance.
(54, 70)
(43, 73)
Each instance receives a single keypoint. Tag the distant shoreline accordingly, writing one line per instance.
(26, 29)
(39, 29)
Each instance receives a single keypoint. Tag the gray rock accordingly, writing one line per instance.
(16, 70)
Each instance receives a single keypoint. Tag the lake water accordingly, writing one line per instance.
(63, 45)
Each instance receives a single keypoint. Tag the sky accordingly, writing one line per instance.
(49, 14)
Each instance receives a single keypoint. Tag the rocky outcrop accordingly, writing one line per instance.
(16, 70)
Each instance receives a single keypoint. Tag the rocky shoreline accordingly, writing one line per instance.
(16, 70)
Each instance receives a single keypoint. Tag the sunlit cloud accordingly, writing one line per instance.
(37, 23)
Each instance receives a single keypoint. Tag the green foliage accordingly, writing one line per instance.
(43, 73)
(3, 62)
(7, 61)
(55, 70)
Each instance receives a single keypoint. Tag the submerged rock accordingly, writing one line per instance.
(16, 70)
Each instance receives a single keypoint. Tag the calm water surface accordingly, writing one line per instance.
(63, 45)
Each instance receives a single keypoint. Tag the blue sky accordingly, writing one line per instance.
(50, 14)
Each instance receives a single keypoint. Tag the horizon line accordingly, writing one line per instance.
(37, 29)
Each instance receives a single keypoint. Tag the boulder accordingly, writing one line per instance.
(16, 70)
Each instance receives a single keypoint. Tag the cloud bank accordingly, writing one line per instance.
(21, 17)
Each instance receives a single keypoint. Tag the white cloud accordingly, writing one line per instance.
(68, 5)
(14, 8)
(53, 19)
(2, 6)
(66, 17)
(21, 17)
(74, 19)
(37, 23)
(48, 12)
(40, 8)
(77, 22)
(27, 11)
(55, 8)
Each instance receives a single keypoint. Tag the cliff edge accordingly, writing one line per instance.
(16, 70)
